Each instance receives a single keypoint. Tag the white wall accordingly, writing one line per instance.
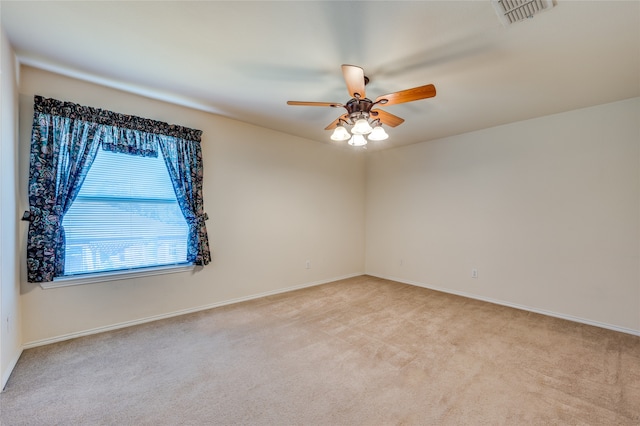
(274, 201)
(547, 210)
(10, 319)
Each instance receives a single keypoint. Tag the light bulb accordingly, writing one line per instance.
(340, 134)
(378, 134)
(357, 140)
(361, 127)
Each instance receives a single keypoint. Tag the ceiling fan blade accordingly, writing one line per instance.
(386, 118)
(335, 122)
(409, 95)
(354, 77)
(323, 104)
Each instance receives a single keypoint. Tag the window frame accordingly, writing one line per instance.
(123, 274)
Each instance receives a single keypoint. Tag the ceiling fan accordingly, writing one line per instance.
(360, 113)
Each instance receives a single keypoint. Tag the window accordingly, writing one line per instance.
(119, 221)
(111, 192)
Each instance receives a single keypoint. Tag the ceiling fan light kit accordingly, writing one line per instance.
(360, 115)
(357, 140)
(340, 134)
(361, 127)
(378, 134)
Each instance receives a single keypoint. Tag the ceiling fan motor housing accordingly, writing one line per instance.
(359, 108)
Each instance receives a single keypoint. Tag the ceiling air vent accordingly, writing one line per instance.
(512, 11)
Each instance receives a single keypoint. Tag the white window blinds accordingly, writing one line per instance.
(126, 216)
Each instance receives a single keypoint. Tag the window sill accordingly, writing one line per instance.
(116, 275)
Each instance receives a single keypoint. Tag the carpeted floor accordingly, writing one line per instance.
(362, 351)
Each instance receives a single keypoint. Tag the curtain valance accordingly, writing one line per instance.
(100, 116)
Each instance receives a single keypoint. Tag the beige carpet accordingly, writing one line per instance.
(362, 351)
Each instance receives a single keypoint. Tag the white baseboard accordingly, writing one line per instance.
(514, 305)
(125, 324)
(7, 373)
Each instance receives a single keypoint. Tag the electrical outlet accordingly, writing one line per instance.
(474, 273)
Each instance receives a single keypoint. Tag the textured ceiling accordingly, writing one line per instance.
(244, 60)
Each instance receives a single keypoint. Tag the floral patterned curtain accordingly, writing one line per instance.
(62, 151)
(64, 142)
(182, 158)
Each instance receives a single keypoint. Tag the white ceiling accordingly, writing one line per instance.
(244, 60)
